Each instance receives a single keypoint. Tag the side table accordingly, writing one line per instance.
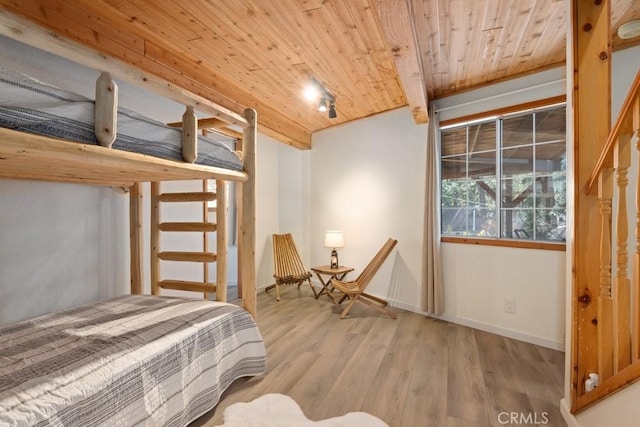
(330, 273)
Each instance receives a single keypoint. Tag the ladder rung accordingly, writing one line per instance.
(182, 285)
(188, 256)
(187, 197)
(187, 226)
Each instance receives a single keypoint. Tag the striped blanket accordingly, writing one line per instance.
(133, 360)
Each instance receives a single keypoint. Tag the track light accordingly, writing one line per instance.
(332, 111)
(323, 105)
(314, 91)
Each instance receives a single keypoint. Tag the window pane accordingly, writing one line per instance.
(454, 221)
(482, 222)
(475, 222)
(551, 225)
(551, 125)
(454, 192)
(482, 193)
(517, 192)
(551, 192)
(454, 167)
(517, 223)
(454, 141)
(517, 131)
(516, 161)
(551, 157)
(482, 137)
(482, 164)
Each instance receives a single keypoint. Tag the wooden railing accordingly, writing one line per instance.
(618, 302)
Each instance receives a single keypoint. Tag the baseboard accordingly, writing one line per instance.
(487, 327)
(565, 410)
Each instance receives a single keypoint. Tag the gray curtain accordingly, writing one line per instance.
(432, 288)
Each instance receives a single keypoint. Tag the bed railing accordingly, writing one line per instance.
(617, 349)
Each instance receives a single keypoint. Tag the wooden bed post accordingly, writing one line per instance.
(155, 238)
(221, 239)
(248, 221)
(135, 236)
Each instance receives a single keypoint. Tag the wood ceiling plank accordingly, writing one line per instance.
(276, 80)
(322, 55)
(361, 20)
(428, 37)
(374, 40)
(159, 16)
(272, 77)
(395, 21)
(530, 38)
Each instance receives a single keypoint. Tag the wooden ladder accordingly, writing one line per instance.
(219, 287)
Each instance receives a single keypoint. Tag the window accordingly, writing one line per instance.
(505, 178)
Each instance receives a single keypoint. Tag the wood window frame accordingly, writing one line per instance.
(498, 113)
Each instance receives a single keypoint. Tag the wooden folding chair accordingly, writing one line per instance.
(354, 290)
(288, 265)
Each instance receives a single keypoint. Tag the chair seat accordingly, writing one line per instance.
(346, 287)
(354, 290)
(289, 268)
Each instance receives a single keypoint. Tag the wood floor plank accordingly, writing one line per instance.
(466, 397)
(426, 400)
(412, 371)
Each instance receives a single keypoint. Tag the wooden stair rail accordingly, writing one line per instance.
(624, 125)
(618, 301)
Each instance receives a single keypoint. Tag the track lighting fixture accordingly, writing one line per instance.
(314, 91)
(332, 111)
(323, 105)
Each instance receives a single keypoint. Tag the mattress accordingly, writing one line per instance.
(130, 361)
(31, 106)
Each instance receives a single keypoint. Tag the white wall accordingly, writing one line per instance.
(367, 179)
(60, 245)
(478, 279)
(295, 197)
(268, 206)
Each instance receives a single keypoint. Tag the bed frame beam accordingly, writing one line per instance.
(247, 252)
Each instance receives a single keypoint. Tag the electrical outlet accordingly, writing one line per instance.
(510, 305)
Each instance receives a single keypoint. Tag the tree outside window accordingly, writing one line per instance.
(505, 178)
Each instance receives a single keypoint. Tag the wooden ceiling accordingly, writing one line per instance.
(372, 55)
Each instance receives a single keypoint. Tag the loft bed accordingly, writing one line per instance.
(164, 329)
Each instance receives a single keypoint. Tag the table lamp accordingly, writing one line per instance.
(334, 239)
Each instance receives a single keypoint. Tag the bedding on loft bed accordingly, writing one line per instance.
(131, 360)
(31, 106)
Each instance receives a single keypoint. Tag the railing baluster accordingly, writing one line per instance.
(605, 313)
(622, 291)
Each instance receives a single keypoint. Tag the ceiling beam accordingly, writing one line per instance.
(396, 23)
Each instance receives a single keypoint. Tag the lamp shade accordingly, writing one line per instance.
(334, 239)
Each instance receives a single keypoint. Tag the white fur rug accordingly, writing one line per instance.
(279, 410)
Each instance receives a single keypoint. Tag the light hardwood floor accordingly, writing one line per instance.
(413, 371)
